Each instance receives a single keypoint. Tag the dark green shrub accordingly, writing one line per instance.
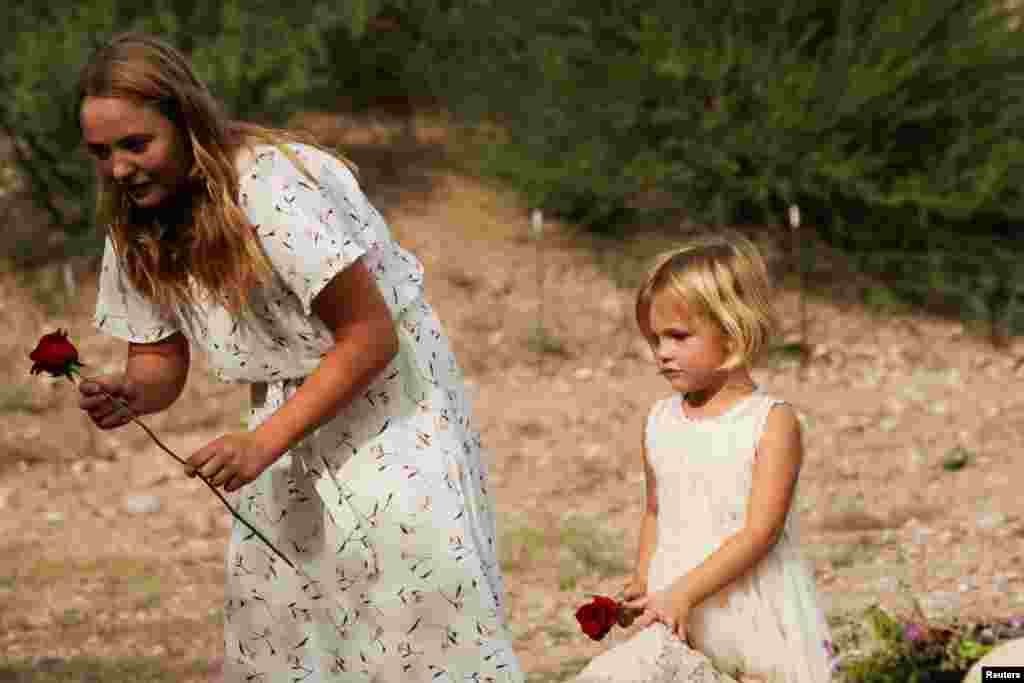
(896, 127)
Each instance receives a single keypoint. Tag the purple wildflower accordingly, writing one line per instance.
(913, 632)
(1017, 622)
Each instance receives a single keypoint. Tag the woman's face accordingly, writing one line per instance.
(136, 147)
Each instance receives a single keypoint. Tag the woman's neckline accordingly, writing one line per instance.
(736, 406)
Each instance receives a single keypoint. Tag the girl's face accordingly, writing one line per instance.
(136, 147)
(689, 349)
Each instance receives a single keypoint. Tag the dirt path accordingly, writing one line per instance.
(107, 550)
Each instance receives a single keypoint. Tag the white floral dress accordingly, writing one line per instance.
(384, 510)
(767, 624)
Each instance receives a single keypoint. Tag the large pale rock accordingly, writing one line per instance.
(1008, 654)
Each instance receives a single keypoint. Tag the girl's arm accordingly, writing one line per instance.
(352, 307)
(648, 526)
(776, 469)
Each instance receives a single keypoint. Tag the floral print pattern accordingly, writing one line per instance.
(385, 509)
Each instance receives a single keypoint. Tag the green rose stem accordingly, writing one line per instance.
(234, 513)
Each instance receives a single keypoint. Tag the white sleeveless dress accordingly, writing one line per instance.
(767, 624)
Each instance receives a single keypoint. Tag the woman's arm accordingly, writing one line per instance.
(157, 373)
(366, 341)
(776, 469)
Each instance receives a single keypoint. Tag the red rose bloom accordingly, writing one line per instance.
(56, 355)
(598, 616)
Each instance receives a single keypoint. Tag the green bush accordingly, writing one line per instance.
(896, 127)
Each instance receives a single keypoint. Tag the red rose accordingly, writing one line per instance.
(56, 355)
(598, 616)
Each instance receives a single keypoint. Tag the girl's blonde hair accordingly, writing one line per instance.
(721, 278)
(217, 249)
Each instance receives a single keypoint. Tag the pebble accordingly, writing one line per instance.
(920, 534)
(141, 505)
(888, 584)
(583, 374)
(990, 520)
(54, 517)
(940, 603)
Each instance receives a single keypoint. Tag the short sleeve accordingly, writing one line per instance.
(121, 311)
(762, 419)
(311, 232)
(649, 425)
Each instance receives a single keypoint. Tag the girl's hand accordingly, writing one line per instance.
(105, 413)
(667, 606)
(232, 461)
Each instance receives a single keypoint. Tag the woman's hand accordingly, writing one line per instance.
(105, 413)
(231, 461)
(670, 607)
(635, 588)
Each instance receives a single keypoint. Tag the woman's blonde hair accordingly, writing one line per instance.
(218, 247)
(721, 278)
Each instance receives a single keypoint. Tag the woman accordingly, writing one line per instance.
(360, 461)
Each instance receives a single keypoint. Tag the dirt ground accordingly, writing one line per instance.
(107, 550)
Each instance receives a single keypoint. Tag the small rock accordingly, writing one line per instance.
(920, 534)
(141, 505)
(1008, 654)
(888, 584)
(940, 604)
(54, 517)
(966, 584)
(990, 520)
(583, 374)
(1001, 583)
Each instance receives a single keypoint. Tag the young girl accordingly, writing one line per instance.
(360, 462)
(719, 567)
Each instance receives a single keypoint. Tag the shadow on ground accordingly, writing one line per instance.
(95, 670)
